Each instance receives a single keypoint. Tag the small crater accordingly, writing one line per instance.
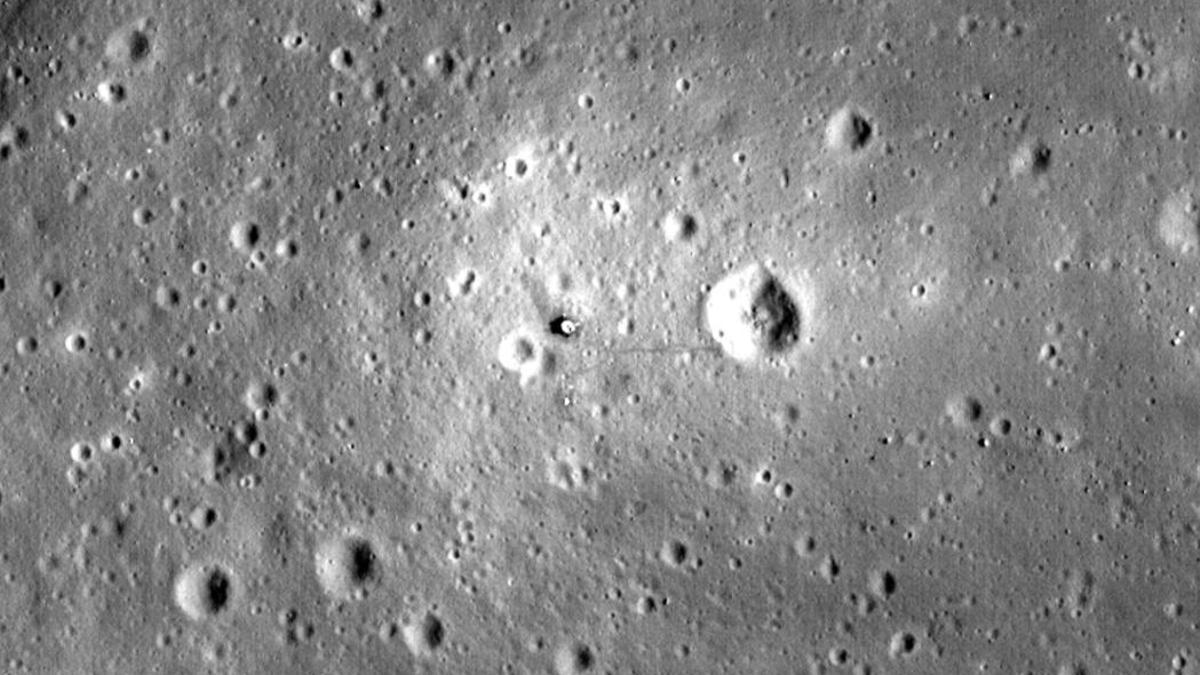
(848, 130)
(516, 350)
(13, 137)
(516, 168)
(111, 93)
(679, 226)
(1030, 158)
(202, 517)
(882, 584)
(440, 64)
(1179, 223)
(128, 45)
(829, 569)
(82, 452)
(244, 235)
(574, 658)
(76, 342)
(1000, 426)
(341, 59)
(347, 566)
(425, 636)
(805, 546)
(903, 644)
(204, 592)
(463, 283)
(963, 410)
(674, 553)
(521, 353)
(751, 315)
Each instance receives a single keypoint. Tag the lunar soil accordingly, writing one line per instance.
(369, 336)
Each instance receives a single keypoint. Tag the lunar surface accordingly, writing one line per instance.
(369, 336)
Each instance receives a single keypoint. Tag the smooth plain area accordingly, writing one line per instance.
(582, 337)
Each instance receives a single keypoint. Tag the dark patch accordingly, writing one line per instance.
(218, 591)
(433, 632)
(253, 234)
(52, 288)
(1040, 156)
(208, 517)
(363, 561)
(860, 131)
(972, 409)
(582, 657)
(775, 317)
(884, 584)
(905, 644)
(688, 225)
(675, 552)
(138, 45)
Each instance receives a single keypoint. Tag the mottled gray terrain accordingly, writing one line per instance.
(368, 336)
